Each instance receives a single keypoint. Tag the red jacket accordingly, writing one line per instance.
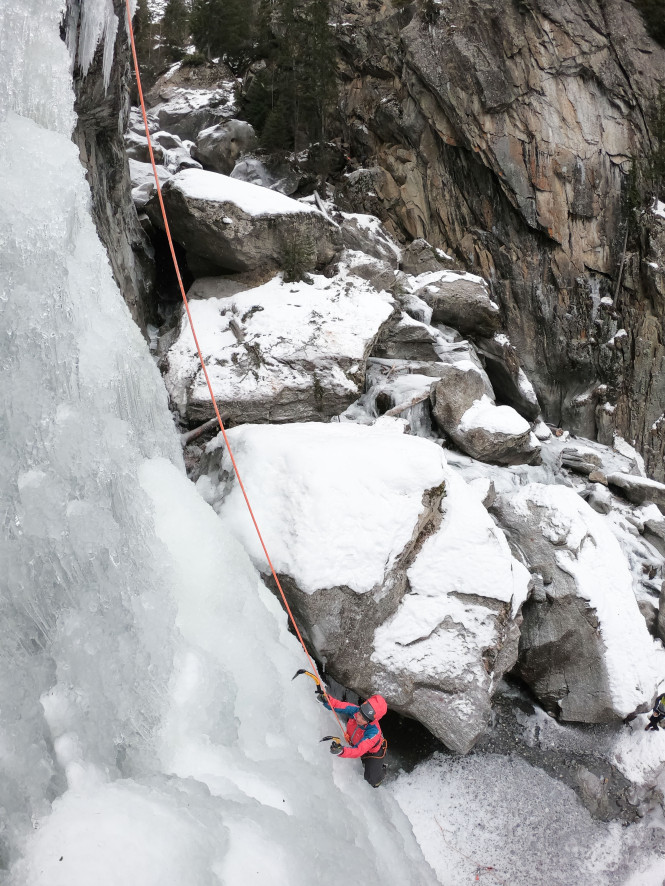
(363, 739)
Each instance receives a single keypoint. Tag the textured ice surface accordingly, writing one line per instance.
(149, 731)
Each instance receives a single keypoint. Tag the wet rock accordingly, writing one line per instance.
(509, 380)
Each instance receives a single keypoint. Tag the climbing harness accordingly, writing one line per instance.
(167, 230)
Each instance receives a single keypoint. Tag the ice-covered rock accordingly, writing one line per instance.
(278, 352)
(238, 226)
(399, 577)
(584, 650)
(219, 147)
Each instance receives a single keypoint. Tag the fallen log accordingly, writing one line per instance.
(402, 406)
(187, 438)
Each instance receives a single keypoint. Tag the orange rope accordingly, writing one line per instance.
(205, 371)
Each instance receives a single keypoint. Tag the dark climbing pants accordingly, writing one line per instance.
(654, 720)
(375, 766)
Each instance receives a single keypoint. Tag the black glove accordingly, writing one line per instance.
(335, 747)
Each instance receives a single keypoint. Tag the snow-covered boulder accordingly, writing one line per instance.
(219, 147)
(585, 650)
(185, 112)
(497, 434)
(143, 181)
(278, 352)
(462, 409)
(407, 339)
(459, 300)
(239, 226)
(509, 380)
(638, 489)
(365, 233)
(398, 576)
(379, 273)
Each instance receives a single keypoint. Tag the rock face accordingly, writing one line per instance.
(584, 646)
(277, 352)
(237, 226)
(377, 565)
(503, 133)
(103, 111)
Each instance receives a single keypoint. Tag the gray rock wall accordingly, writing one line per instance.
(503, 131)
(102, 117)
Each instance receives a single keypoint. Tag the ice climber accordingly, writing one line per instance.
(657, 714)
(363, 734)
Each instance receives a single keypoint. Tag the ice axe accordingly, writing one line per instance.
(309, 674)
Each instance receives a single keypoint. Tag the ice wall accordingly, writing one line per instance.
(149, 731)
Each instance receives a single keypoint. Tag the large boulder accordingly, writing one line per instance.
(219, 147)
(464, 411)
(278, 352)
(397, 575)
(238, 226)
(638, 489)
(459, 300)
(584, 650)
(420, 257)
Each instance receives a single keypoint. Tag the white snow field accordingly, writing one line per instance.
(472, 814)
(149, 729)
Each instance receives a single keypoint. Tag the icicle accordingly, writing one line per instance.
(98, 22)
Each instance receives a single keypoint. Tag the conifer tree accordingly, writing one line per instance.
(142, 27)
(175, 27)
(223, 28)
(289, 102)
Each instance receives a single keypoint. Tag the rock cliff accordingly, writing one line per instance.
(504, 133)
(103, 111)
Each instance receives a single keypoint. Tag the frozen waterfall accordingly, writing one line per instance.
(149, 731)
